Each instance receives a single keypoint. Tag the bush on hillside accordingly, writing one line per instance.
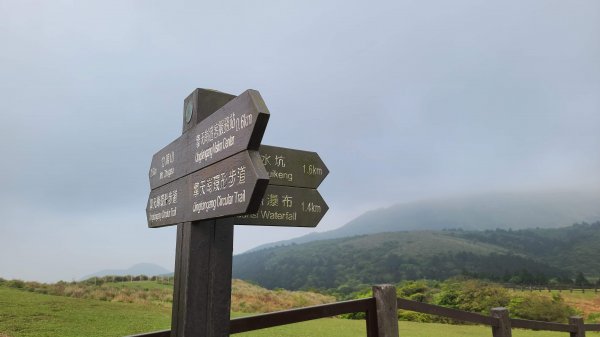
(472, 295)
(420, 291)
(540, 308)
(18, 284)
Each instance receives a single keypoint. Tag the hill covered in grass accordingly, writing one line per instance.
(528, 256)
(245, 297)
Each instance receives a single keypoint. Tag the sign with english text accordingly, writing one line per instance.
(238, 125)
(287, 206)
(229, 187)
(289, 167)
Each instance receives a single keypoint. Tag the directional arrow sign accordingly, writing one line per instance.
(237, 126)
(289, 167)
(230, 187)
(287, 206)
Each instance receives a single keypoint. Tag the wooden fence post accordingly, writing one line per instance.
(386, 305)
(578, 323)
(504, 329)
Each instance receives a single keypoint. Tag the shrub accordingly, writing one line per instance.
(419, 291)
(593, 318)
(413, 316)
(540, 308)
(472, 295)
(16, 284)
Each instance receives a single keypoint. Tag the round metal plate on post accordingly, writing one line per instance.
(189, 110)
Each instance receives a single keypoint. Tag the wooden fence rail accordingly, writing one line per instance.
(269, 320)
(382, 321)
(436, 310)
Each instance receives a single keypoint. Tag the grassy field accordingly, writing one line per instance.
(26, 314)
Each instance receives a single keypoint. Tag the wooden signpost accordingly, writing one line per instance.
(287, 206)
(217, 175)
(238, 125)
(232, 186)
(289, 167)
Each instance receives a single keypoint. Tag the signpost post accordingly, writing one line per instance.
(217, 175)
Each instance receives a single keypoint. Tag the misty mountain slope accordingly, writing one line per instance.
(484, 211)
(575, 248)
(383, 257)
(416, 243)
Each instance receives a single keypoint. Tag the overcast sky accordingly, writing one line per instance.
(403, 100)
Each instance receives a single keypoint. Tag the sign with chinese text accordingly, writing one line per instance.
(287, 206)
(291, 167)
(229, 187)
(237, 126)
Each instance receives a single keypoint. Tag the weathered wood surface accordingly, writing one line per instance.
(387, 310)
(204, 280)
(287, 206)
(237, 126)
(229, 187)
(290, 167)
(503, 329)
(577, 323)
(371, 321)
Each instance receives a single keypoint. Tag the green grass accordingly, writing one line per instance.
(26, 314)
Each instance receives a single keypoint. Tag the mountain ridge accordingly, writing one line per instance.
(526, 255)
(546, 209)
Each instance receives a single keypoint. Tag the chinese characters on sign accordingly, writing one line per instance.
(287, 206)
(237, 126)
(223, 189)
(218, 168)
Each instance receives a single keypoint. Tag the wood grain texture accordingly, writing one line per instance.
(504, 327)
(387, 310)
